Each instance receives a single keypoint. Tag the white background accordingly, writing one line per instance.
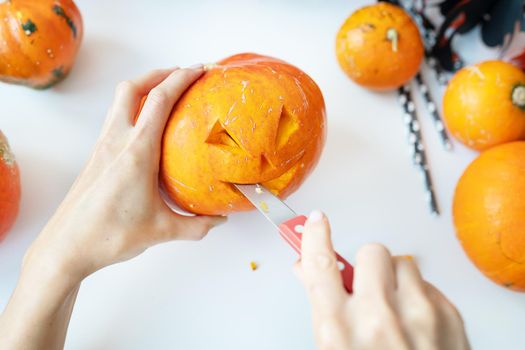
(204, 295)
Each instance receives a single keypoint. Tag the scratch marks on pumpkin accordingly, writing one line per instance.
(182, 184)
(486, 136)
(230, 119)
(303, 95)
(272, 70)
(231, 108)
(243, 91)
(477, 71)
(295, 158)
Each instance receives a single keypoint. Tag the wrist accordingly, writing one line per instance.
(45, 265)
(43, 299)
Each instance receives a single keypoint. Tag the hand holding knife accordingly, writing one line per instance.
(289, 224)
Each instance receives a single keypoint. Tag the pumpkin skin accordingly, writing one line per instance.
(249, 119)
(489, 214)
(9, 187)
(39, 41)
(367, 53)
(484, 105)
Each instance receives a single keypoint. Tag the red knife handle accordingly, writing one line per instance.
(291, 231)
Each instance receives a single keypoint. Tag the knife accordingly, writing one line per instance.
(289, 224)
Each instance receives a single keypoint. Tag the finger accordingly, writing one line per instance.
(374, 271)
(161, 99)
(172, 226)
(451, 321)
(417, 311)
(127, 98)
(408, 277)
(298, 271)
(321, 275)
(439, 298)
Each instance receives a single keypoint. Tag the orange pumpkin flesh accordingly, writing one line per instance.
(9, 187)
(489, 214)
(249, 119)
(484, 105)
(39, 41)
(379, 47)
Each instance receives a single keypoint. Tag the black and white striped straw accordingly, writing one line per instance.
(434, 113)
(417, 149)
(429, 37)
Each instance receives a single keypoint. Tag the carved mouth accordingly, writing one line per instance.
(274, 185)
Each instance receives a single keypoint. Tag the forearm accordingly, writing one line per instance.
(38, 313)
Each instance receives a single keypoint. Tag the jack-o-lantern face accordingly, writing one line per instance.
(249, 119)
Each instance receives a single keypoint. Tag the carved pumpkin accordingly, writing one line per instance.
(39, 41)
(379, 47)
(249, 119)
(9, 187)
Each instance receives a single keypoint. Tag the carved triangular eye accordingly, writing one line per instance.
(265, 164)
(220, 136)
(287, 126)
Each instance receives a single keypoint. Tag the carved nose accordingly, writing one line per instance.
(286, 127)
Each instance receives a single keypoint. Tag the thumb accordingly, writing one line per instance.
(173, 226)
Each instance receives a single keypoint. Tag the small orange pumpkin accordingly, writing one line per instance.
(379, 47)
(9, 187)
(484, 105)
(249, 119)
(489, 214)
(39, 41)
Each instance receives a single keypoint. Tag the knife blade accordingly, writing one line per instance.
(289, 224)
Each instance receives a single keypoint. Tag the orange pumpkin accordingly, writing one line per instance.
(39, 41)
(249, 119)
(379, 47)
(489, 214)
(484, 105)
(9, 187)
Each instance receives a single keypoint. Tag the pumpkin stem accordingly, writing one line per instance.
(518, 96)
(5, 153)
(393, 36)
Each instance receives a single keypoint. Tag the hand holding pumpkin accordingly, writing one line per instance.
(114, 210)
(392, 307)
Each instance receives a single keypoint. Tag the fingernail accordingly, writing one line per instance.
(315, 216)
(210, 66)
(196, 66)
(407, 257)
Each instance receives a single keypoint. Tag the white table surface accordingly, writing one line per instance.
(204, 295)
